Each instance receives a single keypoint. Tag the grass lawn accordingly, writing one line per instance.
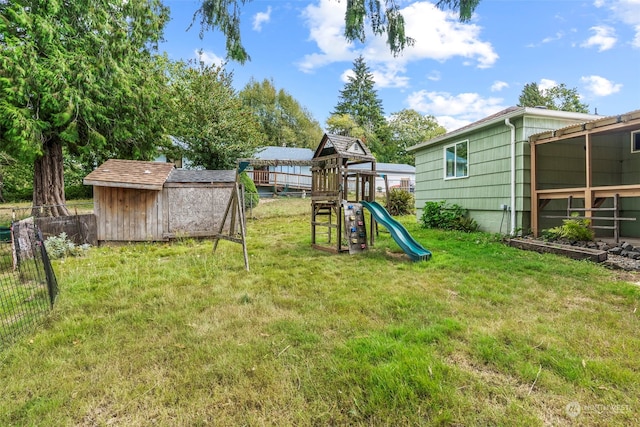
(482, 334)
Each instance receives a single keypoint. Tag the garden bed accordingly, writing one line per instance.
(574, 252)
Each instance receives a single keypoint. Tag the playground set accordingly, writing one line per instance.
(339, 196)
(338, 199)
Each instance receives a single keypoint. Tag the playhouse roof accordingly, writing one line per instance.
(344, 147)
(130, 174)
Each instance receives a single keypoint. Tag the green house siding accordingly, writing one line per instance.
(488, 186)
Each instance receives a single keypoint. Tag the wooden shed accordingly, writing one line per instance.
(152, 201)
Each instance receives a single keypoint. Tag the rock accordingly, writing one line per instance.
(626, 246)
(603, 246)
(615, 250)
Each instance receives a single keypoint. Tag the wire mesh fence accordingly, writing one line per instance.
(28, 286)
(9, 214)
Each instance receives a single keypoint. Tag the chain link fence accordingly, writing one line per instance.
(28, 285)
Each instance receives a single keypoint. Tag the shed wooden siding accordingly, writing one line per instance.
(126, 214)
(195, 209)
(489, 183)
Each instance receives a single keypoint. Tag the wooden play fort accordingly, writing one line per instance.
(337, 219)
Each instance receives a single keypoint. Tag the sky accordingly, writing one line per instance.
(456, 72)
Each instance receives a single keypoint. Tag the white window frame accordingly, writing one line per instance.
(444, 152)
(635, 137)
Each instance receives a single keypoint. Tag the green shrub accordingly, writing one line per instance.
(571, 229)
(60, 246)
(23, 194)
(447, 217)
(75, 192)
(400, 202)
(251, 196)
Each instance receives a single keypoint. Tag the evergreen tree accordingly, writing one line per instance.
(558, 97)
(381, 17)
(79, 74)
(531, 96)
(282, 119)
(360, 100)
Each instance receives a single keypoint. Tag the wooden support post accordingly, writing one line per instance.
(616, 215)
(235, 206)
(535, 203)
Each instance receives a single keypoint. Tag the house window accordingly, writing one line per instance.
(456, 160)
(635, 141)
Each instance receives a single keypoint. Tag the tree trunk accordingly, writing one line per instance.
(48, 182)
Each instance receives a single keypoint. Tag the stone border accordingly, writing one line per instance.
(573, 252)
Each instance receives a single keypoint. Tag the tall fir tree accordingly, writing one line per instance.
(79, 75)
(558, 97)
(360, 100)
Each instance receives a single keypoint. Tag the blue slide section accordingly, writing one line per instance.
(400, 234)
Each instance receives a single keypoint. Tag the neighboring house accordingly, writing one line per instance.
(281, 169)
(147, 201)
(180, 162)
(399, 176)
(485, 166)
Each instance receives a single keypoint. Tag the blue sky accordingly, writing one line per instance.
(457, 72)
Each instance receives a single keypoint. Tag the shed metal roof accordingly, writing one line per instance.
(130, 174)
(284, 153)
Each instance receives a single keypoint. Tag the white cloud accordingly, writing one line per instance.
(208, 57)
(498, 85)
(547, 84)
(434, 76)
(627, 12)
(438, 36)
(454, 111)
(261, 18)
(604, 38)
(600, 86)
(326, 27)
(390, 76)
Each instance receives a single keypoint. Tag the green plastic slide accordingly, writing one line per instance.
(400, 234)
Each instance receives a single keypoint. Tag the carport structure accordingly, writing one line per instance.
(589, 170)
